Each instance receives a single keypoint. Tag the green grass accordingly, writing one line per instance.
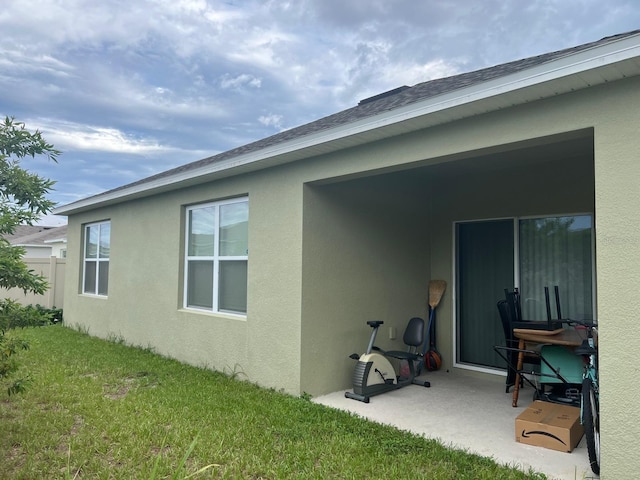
(100, 409)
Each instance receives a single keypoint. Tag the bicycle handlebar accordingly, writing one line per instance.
(584, 323)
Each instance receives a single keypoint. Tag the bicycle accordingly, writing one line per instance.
(590, 395)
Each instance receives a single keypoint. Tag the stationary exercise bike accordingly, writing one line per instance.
(374, 374)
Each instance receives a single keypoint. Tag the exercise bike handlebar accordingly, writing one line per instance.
(373, 324)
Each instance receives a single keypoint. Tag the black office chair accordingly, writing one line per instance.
(509, 310)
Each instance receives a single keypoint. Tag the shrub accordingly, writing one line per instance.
(14, 315)
(54, 313)
(9, 346)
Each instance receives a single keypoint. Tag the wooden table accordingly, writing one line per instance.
(569, 337)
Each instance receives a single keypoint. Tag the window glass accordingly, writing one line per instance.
(202, 227)
(105, 240)
(233, 229)
(528, 253)
(233, 286)
(90, 277)
(91, 241)
(97, 248)
(103, 278)
(556, 251)
(200, 281)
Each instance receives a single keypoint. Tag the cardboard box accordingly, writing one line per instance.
(550, 425)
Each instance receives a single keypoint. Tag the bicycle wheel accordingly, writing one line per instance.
(591, 421)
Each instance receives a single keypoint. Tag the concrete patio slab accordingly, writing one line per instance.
(468, 413)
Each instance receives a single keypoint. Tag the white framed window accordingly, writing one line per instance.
(97, 246)
(216, 256)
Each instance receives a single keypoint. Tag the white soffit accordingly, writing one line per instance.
(589, 67)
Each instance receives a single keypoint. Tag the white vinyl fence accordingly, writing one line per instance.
(53, 269)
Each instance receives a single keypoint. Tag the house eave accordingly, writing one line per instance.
(56, 240)
(587, 68)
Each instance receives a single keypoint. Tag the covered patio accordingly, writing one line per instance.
(372, 242)
(469, 413)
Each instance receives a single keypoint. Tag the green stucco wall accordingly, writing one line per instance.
(617, 194)
(344, 238)
(145, 289)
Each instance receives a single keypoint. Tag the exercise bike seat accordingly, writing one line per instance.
(413, 337)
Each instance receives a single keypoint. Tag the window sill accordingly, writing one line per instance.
(94, 295)
(208, 313)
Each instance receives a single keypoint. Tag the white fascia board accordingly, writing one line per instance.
(565, 66)
(56, 240)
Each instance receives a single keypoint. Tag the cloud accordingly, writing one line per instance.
(141, 86)
(14, 62)
(239, 81)
(66, 135)
(271, 120)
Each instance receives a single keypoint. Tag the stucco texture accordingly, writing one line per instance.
(356, 235)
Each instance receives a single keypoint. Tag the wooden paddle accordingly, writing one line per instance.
(436, 290)
(432, 358)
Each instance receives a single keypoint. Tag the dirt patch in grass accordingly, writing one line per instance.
(116, 392)
(120, 390)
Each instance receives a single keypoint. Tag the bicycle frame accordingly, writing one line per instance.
(590, 397)
(590, 370)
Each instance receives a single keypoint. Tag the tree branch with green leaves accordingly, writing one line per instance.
(23, 200)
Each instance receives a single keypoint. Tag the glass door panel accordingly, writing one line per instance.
(485, 269)
(556, 251)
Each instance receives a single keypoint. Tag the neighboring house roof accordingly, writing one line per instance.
(25, 230)
(403, 110)
(26, 235)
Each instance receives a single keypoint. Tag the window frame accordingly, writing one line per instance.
(98, 260)
(216, 258)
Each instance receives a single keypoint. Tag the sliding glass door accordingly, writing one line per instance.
(556, 251)
(528, 253)
(485, 268)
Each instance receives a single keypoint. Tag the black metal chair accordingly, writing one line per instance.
(510, 311)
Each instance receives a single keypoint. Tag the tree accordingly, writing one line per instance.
(23, 200)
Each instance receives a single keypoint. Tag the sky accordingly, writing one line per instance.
(130, 88)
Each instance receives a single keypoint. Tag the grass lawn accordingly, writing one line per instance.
(99, 409)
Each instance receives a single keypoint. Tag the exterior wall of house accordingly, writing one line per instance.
(372, 244)
(331, 246)
(617, 166)
(561, 183)
(365, 257)
(144, 304)
(58, 249)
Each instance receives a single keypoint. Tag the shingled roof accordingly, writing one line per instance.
(36, 235)
(376, 105)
